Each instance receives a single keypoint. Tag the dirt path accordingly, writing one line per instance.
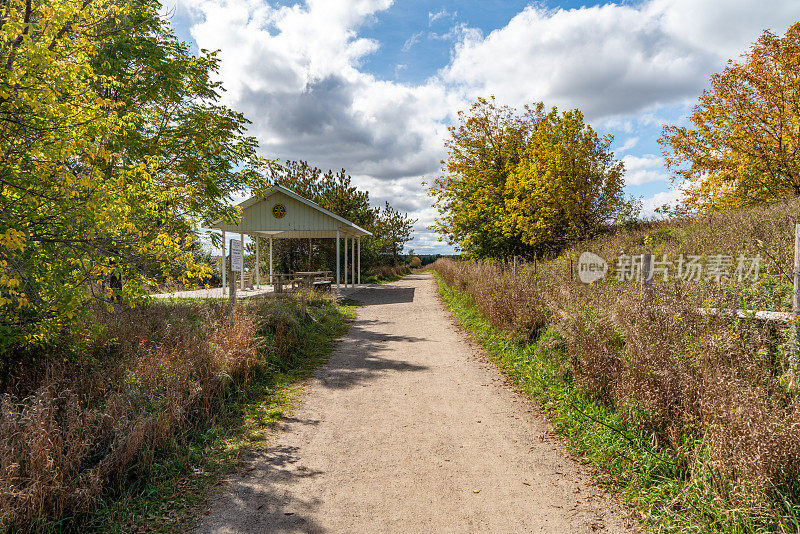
(409, 429)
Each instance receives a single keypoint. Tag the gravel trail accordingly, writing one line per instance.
(410, 429)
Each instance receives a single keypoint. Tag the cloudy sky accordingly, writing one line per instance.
(371, 85)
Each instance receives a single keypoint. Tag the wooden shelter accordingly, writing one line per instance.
(283, 214)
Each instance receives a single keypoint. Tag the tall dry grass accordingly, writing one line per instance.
(77, 427)
(712, 389)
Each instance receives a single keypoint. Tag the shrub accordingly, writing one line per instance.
(711, 389)
(387, 273)
(79, 427)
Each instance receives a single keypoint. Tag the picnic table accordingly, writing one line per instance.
(309, 277)
(315, 279)
(305, 278)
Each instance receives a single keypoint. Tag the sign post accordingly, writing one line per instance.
(236, 266)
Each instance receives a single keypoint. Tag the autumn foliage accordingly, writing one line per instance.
(712, 394)
(113, 148)
(567, 186)
(526, 181)
(743, 147)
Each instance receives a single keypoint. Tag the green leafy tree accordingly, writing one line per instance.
(567, 186)
(113, 148)
(394, 230)
(743, 147)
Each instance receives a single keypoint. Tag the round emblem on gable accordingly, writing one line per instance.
(278, 211)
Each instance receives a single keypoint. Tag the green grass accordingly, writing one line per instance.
(655, 482)
(372, 279)
(179, 486)
(394, 278)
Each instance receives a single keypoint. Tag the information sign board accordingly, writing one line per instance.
(236, 255)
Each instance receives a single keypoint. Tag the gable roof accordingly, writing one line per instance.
(303, 218)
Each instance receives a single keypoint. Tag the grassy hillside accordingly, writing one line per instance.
(705, 405)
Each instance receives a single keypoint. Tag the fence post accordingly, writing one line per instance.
(795, 355)
(796, 300)
(647, 275)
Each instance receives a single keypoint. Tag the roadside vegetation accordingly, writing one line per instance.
(135, 426)
(388, 273)
(695, 416)
(115, 150)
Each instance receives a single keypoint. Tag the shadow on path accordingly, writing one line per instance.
(363, 356)
(384, 294)
(264, 499)
(258, 507)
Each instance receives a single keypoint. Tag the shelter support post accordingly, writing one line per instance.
(337, 261)
(224, 266)
(258, 264)
(353, 263)
(345, 262)
(271, 279)
(241, 238)
(359, 260)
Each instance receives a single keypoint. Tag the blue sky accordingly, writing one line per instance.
(417, 37)
(371, 85)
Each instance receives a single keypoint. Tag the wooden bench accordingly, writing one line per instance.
(323, 285)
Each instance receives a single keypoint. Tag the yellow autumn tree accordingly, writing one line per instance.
(743, 145)
(567, 186)
(485, 146)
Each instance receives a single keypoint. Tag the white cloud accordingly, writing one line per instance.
(613, 59)
(671, 198)
(644, 169)
(296, 72)
(439, 15)
(454, 33)
(616, 123)
(411, 41)
(628, 144)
